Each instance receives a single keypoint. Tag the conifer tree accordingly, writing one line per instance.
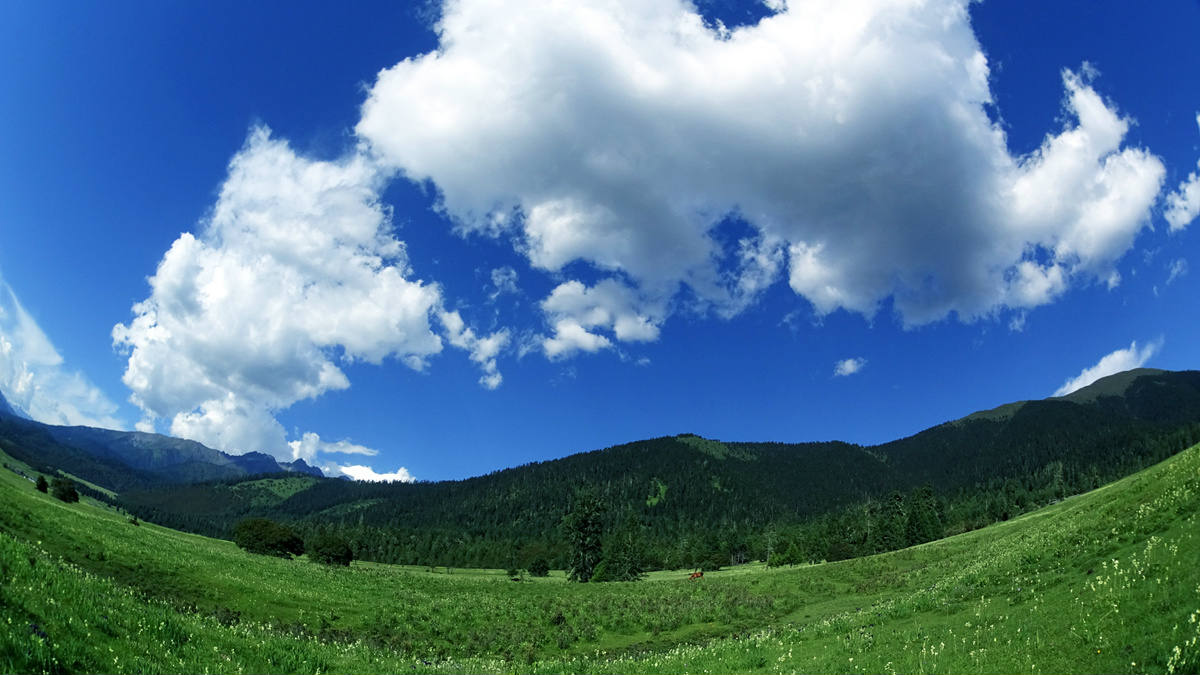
(584, 531)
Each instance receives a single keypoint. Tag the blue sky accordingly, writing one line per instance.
(438, 243)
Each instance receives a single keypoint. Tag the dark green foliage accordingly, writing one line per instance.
(924, 523)
(329, 549)
(583, 530)
(891, 525)
(539, 567)
(792, 555)
(64, 489)
(623, 558)
(42, 486)
(260, 535)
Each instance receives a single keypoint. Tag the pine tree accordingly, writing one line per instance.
(924, 524)
(893, 524)
(584, 531)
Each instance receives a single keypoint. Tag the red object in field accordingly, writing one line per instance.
(696, 575)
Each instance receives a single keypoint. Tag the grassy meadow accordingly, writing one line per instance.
(1107, 582)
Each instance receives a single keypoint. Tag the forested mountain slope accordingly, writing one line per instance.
(703, 501)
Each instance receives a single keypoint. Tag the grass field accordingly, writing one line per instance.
(1103, 582)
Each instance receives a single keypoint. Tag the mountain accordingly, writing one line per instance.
(831, 499)
(120, 460)
(300, 466)
(10, 410)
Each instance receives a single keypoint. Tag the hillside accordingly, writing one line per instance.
(1102, 582)
(704, 501)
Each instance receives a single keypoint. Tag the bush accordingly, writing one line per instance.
(259, 535)
(64, 489)
(539, 567)
(41, 484)
(330, 549)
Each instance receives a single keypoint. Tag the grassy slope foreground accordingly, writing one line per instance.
(1103, 582)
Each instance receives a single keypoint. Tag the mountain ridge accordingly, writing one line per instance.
(150, 458)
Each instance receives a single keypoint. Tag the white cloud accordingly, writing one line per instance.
(310, 445)
(851, 135)
(570, 337)
(848, 366)
(1111, 364)
(759, 261)
(34, 378)
(295, 272)
(1178, 269)
(1017, 323)
(1183, 205)
(483, 351)
(577, 312)
(504, 281)
(360, 472)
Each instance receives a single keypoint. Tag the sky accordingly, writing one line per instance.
(429, 241)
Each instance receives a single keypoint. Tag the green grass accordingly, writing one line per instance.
(271, 491)
(1103, 582)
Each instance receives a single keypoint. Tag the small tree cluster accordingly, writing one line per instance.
(330, 549)
(64, 489)
(260, 535)
(623, 558)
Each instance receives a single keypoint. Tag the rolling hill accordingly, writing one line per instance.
(1101, 582)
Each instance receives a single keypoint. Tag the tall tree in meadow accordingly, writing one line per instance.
(583, 528)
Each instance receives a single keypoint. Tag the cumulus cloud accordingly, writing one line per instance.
(295, 272)
(310, 445)
(1183, 205)
(33, 376)
(848, 366)
(483, 350)
(578, 312)
(851, 136)
(360, 472)
(1111, 364)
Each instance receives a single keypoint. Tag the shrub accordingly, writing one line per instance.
(64, 489)
(539, 567)
(330, 549)
(41, 484)
(260, 535)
